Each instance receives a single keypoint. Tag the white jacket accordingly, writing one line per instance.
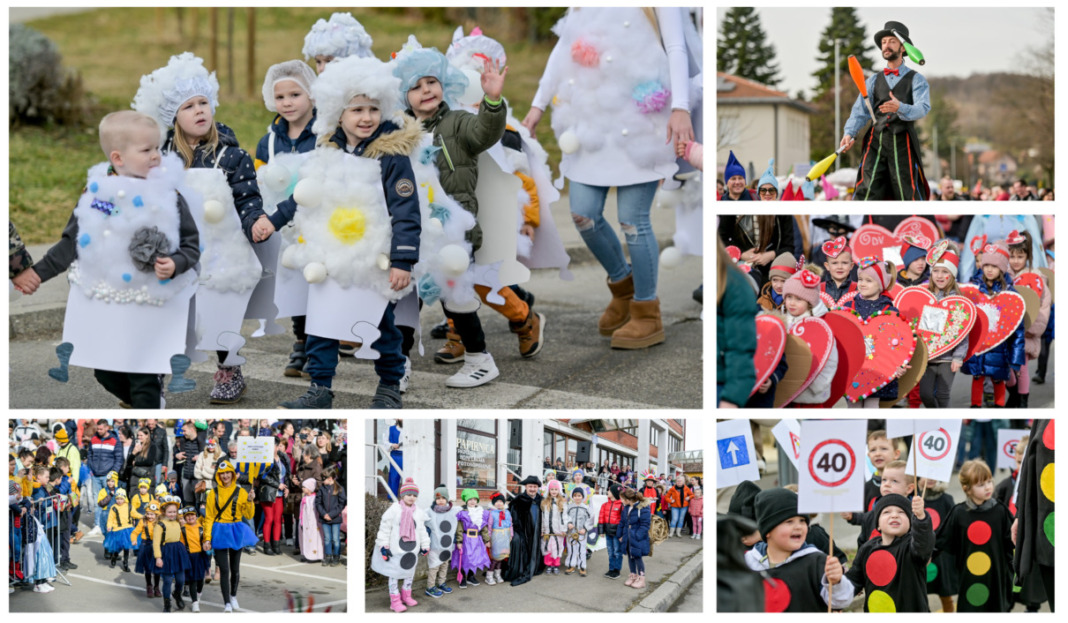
(405, 555)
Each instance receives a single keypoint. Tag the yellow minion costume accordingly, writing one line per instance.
(225, 532)
(146, 563)
(171, 557)
(199, 560)
(119, 530)
(139, 501)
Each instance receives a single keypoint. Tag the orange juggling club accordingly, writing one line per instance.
(858, 78)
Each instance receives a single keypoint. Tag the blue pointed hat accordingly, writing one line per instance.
(733, 168)
(769, 176)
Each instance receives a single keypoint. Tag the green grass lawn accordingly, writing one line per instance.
(113, 48)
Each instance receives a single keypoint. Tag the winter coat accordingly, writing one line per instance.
(1033, 334)
(267, 484)
(833, 290)
(634, 529)
(906, 282)
(675, 499)
(802, 572)
(553, 528)
(105, 454)
(697, 507)
(767, 298)
(907, 586)
(236, 164)
(782, 239)
(996, 362)
(819, 390)
(866, 309)
(204, 467)
(303, 472)
(400, 563)
(736, 340)
(329, 503)
(462, 136)
(608, 518)
(192, 448)
(279, 132)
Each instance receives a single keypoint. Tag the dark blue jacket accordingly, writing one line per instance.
(240, 174)
(329, 503)
(996, 362)
(866, 308)
(279, 128)
(633, 531)
(105, 455)
(394, 145)
(44, 511)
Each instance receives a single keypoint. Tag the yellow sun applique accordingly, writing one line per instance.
(348, 224)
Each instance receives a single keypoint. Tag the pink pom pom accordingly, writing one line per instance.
(585, 54)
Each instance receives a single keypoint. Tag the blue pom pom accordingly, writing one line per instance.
(440, 212)
(127, 277)
(84, 240)
(856, 384)
(93, 187)
(138, 202)
(430, 152)
(429, 290)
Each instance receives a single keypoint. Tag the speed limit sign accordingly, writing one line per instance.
(935, 444)
(1007, 440)
(934, 448)
(830, 481)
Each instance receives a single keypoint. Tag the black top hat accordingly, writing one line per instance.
(835, 221)
(901, 29)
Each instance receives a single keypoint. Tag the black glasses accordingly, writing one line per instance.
(768, 191)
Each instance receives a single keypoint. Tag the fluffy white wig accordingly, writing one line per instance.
(163, 91)
(340, 37)
(295, 70)
(346, 78)
(463, 50)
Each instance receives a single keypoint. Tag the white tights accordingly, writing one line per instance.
(394, 590)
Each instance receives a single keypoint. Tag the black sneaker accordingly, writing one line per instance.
(440, 329)
(463, 581)
(387, 397)
(473, 581)
(611, 574)
(317, 397)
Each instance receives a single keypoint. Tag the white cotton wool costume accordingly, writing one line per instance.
(340, 37)
(687, 203)
(276, 180)
(405, 556)
(227, 261)
(607, 68)
(442, 528)
(163, 91)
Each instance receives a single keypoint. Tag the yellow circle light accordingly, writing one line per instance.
(347, 224)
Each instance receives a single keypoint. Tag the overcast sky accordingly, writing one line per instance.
(954, 41)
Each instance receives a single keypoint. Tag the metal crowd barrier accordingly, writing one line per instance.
(22, 542)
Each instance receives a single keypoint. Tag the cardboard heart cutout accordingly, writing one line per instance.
(734, 252)
(1031, 280)
(797, 377)
(1032, 301)
(918, 227)
(889, 342)
(895, 290)
(940, 325)
(1004, 312)
(912, 376)
(771, 343)
(819, 339)
(975, 336)
(831, 303)
(873, 240)
(1048, 274)
(849, 340)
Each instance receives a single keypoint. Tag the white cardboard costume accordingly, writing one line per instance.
(120, 317)
(442, 535)
(405, 553)
(287, 288)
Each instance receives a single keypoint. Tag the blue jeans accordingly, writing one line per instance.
(984, 443)
(332, 539)
(615, 554)
(678, 516)
(100, 514)
(634, 203)
(322, 354)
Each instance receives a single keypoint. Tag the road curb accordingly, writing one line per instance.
(672, 588)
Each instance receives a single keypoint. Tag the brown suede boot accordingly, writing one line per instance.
(530, 333)
(644, 329)
(618, 311)
(452, 351)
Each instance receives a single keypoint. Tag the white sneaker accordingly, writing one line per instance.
(228, 608)
(478, 369)
(233, 602)
(95, 531)
(289, 542)
(196, 606)
(43, 588)
(407, 378)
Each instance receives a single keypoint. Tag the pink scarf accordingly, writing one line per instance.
(407, 522)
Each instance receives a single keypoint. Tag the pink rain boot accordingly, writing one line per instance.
(406, 597)
(639, 583)
(630, 579)
(395, 603)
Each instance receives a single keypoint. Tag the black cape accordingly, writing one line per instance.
(1034, 511)
(989, 588)
(903, 584)
(525, 560)
(942, 578)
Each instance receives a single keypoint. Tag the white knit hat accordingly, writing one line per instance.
(163, 91)
(295, 70)
(346, 78)
(340, 37)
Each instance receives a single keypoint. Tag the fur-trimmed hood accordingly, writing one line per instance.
(388, 140)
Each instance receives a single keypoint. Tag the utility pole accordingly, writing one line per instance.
(837, 103)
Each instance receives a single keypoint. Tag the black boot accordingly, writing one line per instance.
(178, 603)
(1023, 400)
(276, 548)
(166, 604)
(267, 549)
(114, 559)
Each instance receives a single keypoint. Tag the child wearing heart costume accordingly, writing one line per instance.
(782, 268)
(1021, 263)
(977, 530)
(944, 259)
(874, 278)
(1007, 356)
(914, 255)
(801, 300)
(802, 577)
(840, 277)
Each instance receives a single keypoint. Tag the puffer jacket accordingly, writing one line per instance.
(1033, 334)
(279, 129)
(240, 173)
(736, 340)
(996, 362)
(462, 136)
(633, 532)
(866, 309)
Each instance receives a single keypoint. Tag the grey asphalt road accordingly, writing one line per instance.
(692, 600)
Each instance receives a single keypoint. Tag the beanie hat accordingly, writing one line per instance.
(113, 477)
(555, 484)
(152, 507)
(579, 490)
(343, 80)
(783, 266)
(615, 489)
(773, 507)
(161, 490)
(995, 254)
(769, 176)
(172, 475)
(408, 487)
(61, 435)
(297, 71)
(144, 482)
(943, 255)
(495, 497)
(836, 247)
(733, 168)
(805, 285)
(892, 499)
(878, 270)
(414, 61)
(340, 37)
(577, 471)
(743, 499)
(120, 493)
(913, 249)
(443, 491)
(468, 494)
(309, 484)
(163, 91)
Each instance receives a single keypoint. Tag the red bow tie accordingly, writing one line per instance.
(887, 71)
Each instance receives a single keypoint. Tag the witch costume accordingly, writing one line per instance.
(524, 561)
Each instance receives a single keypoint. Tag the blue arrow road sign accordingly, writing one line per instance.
(732, 452)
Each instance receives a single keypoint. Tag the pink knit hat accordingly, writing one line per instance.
(805, 285)
(878, 270)
(555, 484)
(995, 254)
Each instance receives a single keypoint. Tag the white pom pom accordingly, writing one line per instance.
(668, 199)
(315, 272)
(473, 94)
(289, 258)
(454, 260)
(569, 142)
(213, 211)
(383, 261)
(435, 226)
(275, 178)
(121, 194)
(671, 257)
(308, 193)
